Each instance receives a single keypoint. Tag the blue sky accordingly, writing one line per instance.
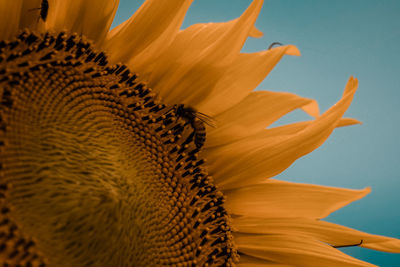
(337, 39)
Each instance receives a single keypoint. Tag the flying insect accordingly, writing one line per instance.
(44, 10)
(197, 120)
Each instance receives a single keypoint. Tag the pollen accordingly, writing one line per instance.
(94, 169)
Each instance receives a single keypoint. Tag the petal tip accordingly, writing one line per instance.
(367, 190)
(255, 33)
(292, 50)
(348, 122)
(312, 109)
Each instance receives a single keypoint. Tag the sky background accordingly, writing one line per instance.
(337, 39)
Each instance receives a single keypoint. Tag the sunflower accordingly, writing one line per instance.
(147, 146)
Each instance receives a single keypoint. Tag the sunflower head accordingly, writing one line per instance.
(90, 137)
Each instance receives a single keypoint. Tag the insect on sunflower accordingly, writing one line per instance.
(106, 159)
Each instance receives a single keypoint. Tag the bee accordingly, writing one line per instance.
(274, 44)
(197, 120)
(353, 245)
(44, 10)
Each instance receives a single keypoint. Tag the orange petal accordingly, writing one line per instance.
(237, 81)
(91, 18)
(255, 33)
(330, 233)
(251, 160)
(31, 15)
(148, 32)
(347, 122)
(249, 261)
(253, 114)
(10, 12)
(197, 58)
(294, 128)
(283, 199)
(294, 251)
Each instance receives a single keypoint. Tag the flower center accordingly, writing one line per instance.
(95, 170)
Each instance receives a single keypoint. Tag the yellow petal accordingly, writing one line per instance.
(251, 160)
(189, 69)
(253, 114)
(10, 12)
(237, 81)
(91, 18)
(295, 251)
(283, 199)
(330, 233)
(148, 32)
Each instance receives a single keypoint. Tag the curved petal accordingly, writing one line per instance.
(91, 18)
(198, 57)
(294, 128)
(254, 159)
(237, 82)
(254, 113)
(10, 12)
(284, 199)
(147, 33)
(326, 232)
(293, 250)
